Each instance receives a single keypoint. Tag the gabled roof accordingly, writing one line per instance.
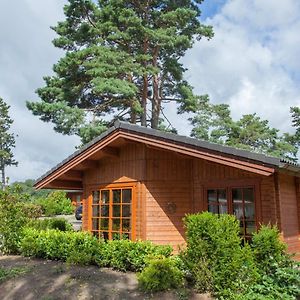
(247, 160)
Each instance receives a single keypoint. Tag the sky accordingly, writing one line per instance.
(252, 63)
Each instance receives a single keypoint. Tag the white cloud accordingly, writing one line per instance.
(252, 62)
(26, 55)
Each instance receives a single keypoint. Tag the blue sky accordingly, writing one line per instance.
(209, 8)
(252, 63)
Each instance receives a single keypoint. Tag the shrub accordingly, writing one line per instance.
(279, 274)
(128, 255)
(56, 203)
(12, 219)
(73, 247)
(160, 274)
(268, 249)
(214, 255)
(52, 223)
(83, 248)
(32, 210)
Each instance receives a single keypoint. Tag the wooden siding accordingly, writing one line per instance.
(289, 213)
(168, 196)
(127, 168)
(268, 206)
(170, 185)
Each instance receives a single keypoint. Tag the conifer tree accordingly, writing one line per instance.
(7, 141)
(122, 61)
(215, 124)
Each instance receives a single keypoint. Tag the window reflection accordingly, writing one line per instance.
(242, 206)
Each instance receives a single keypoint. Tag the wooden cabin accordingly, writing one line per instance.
(139, 183)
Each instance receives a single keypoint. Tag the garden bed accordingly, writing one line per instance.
(45, 279)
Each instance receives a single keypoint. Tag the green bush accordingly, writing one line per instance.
(268, 249)
(56, 203)
(52, 223)
(83, 248)
(13, 217)
(32, 210)
(126, 255)
(279, 274)
(215, 258)
(160, 274)
(73, 247)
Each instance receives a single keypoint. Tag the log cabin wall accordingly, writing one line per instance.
(169, 185)
(127, 168)
(169, 194)
(288, 192)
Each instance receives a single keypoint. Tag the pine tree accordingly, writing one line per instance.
(215, 124)
(122, 61)
(295, 111)
(7, 141)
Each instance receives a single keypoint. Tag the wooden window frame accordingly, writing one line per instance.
(112, 187)
(237, 184)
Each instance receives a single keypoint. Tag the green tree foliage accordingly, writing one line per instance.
(295, 111)
(56, 203)
(27, 192)
(7, 140)
(215, 124)
(121, 60)
(12, 218)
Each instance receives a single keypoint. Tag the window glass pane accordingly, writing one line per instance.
(111, 213)
(103, 224)
(96, 197)
(250, 227)
(116, 236)
(125, 236)
(249, 212)
(95, 233)
(212, 196)
(126, 225)
(116, 211)
(95, 224)
(105, 196)
(116, 224)
(213, 209)
(95, 210)
(126, 196)
(242, 228)
(222, 196)
(237, 195)
(104, 210)
(105, 235)
(126, 211)
(116, 196)
(248, 195)
(238, 211)
(223, 209)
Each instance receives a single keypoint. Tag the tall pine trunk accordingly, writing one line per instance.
(155, 99)
(144, 101)
(145, 86)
